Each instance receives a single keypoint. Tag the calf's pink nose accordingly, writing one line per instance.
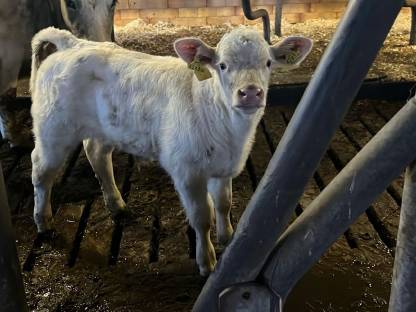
(251, 93)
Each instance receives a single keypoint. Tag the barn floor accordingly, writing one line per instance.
(92, 264)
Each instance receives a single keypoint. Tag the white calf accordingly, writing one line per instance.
(154, 107)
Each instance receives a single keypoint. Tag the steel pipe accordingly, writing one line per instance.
(326, 100)
(252, 15)
(403, 297)
(343, 201)
(12, 294)
(412, 40)
(278, 18)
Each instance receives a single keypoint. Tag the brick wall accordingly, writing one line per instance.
(211, 12)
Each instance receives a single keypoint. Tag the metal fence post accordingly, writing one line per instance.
(343, 200)
(412, 40)
(12, 295)
(278, 18)
(403, 297)
(326, 100)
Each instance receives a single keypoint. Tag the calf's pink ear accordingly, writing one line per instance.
(190, 48)
(291, 51)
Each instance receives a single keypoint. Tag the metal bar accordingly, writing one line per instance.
(252, 15)
(12, 294)
(412, 40)
(291, 94)
(342, 201)
(325, 102)
(278, 18)
(403, 297)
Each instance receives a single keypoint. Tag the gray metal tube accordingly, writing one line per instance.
(328, 96)
(252, 15)
(12, 294)
(278, 18)
(343, 201)
(403, 298)
(412, 40)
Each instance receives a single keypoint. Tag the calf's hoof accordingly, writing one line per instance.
(122, 215)
(208, 261)
(47, 236)
(205, 271)
(225, 236)
(115, 205)
(22, 142)
(44, 224)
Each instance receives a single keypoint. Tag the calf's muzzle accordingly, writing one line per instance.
(250, 98)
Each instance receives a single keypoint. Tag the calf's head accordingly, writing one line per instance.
(241, 64)
(90, 19)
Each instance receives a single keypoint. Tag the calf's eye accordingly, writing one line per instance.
(269, 63)
(223, 66)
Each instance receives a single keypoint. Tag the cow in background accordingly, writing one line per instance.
(19, 21)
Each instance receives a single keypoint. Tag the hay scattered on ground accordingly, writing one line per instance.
(396, 60)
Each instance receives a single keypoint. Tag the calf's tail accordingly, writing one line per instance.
(46, 42)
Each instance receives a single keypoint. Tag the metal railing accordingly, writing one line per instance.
(407, 3)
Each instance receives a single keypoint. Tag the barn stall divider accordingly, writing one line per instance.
(261, 281)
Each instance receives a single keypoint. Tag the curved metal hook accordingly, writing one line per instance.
(252, 15)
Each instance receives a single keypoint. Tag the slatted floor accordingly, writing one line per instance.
(93, 264)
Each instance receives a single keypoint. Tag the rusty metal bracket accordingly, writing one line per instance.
(252, 15)
(249, 297)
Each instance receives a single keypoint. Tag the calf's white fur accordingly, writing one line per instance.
(153, 107)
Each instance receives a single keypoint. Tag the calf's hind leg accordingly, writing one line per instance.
(100, 157)
(47, 160)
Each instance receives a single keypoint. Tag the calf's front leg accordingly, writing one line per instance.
(17, 133)
(221, 193)
(198, 206)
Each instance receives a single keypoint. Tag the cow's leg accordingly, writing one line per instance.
(10, 62)
(198, 206)
(47, 160)
(100, 159)
(4, 99)
(17, 132)
(7, 119)
(221, 193)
